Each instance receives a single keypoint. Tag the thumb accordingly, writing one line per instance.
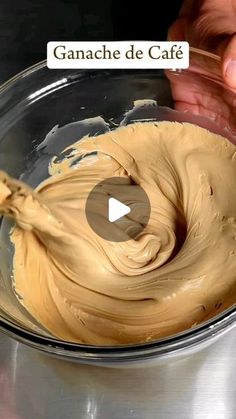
(229, 63)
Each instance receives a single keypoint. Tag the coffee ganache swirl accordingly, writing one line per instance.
(179, 272)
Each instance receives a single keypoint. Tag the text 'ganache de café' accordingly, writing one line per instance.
(154, 52)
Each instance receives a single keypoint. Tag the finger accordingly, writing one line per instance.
(188, 12)
(229, 63)
(176, 31)
(190, 8)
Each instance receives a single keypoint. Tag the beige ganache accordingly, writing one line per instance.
(179, 272)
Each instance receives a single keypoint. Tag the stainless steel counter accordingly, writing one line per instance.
(36, 386)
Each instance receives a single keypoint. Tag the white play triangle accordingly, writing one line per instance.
(116, 210)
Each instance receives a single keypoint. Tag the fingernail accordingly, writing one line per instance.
(230, 72)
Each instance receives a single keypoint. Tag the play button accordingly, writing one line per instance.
(117, 209)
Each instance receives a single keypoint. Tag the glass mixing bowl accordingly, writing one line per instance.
(35, 101)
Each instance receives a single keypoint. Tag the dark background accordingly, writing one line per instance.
(27, 25)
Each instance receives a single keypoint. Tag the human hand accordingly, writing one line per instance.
(209, 25)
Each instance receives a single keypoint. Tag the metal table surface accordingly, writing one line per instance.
(36, 386)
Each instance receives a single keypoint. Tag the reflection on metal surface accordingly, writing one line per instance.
(14, 362)
(33, 385)
(216, 386)
(91, 409)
